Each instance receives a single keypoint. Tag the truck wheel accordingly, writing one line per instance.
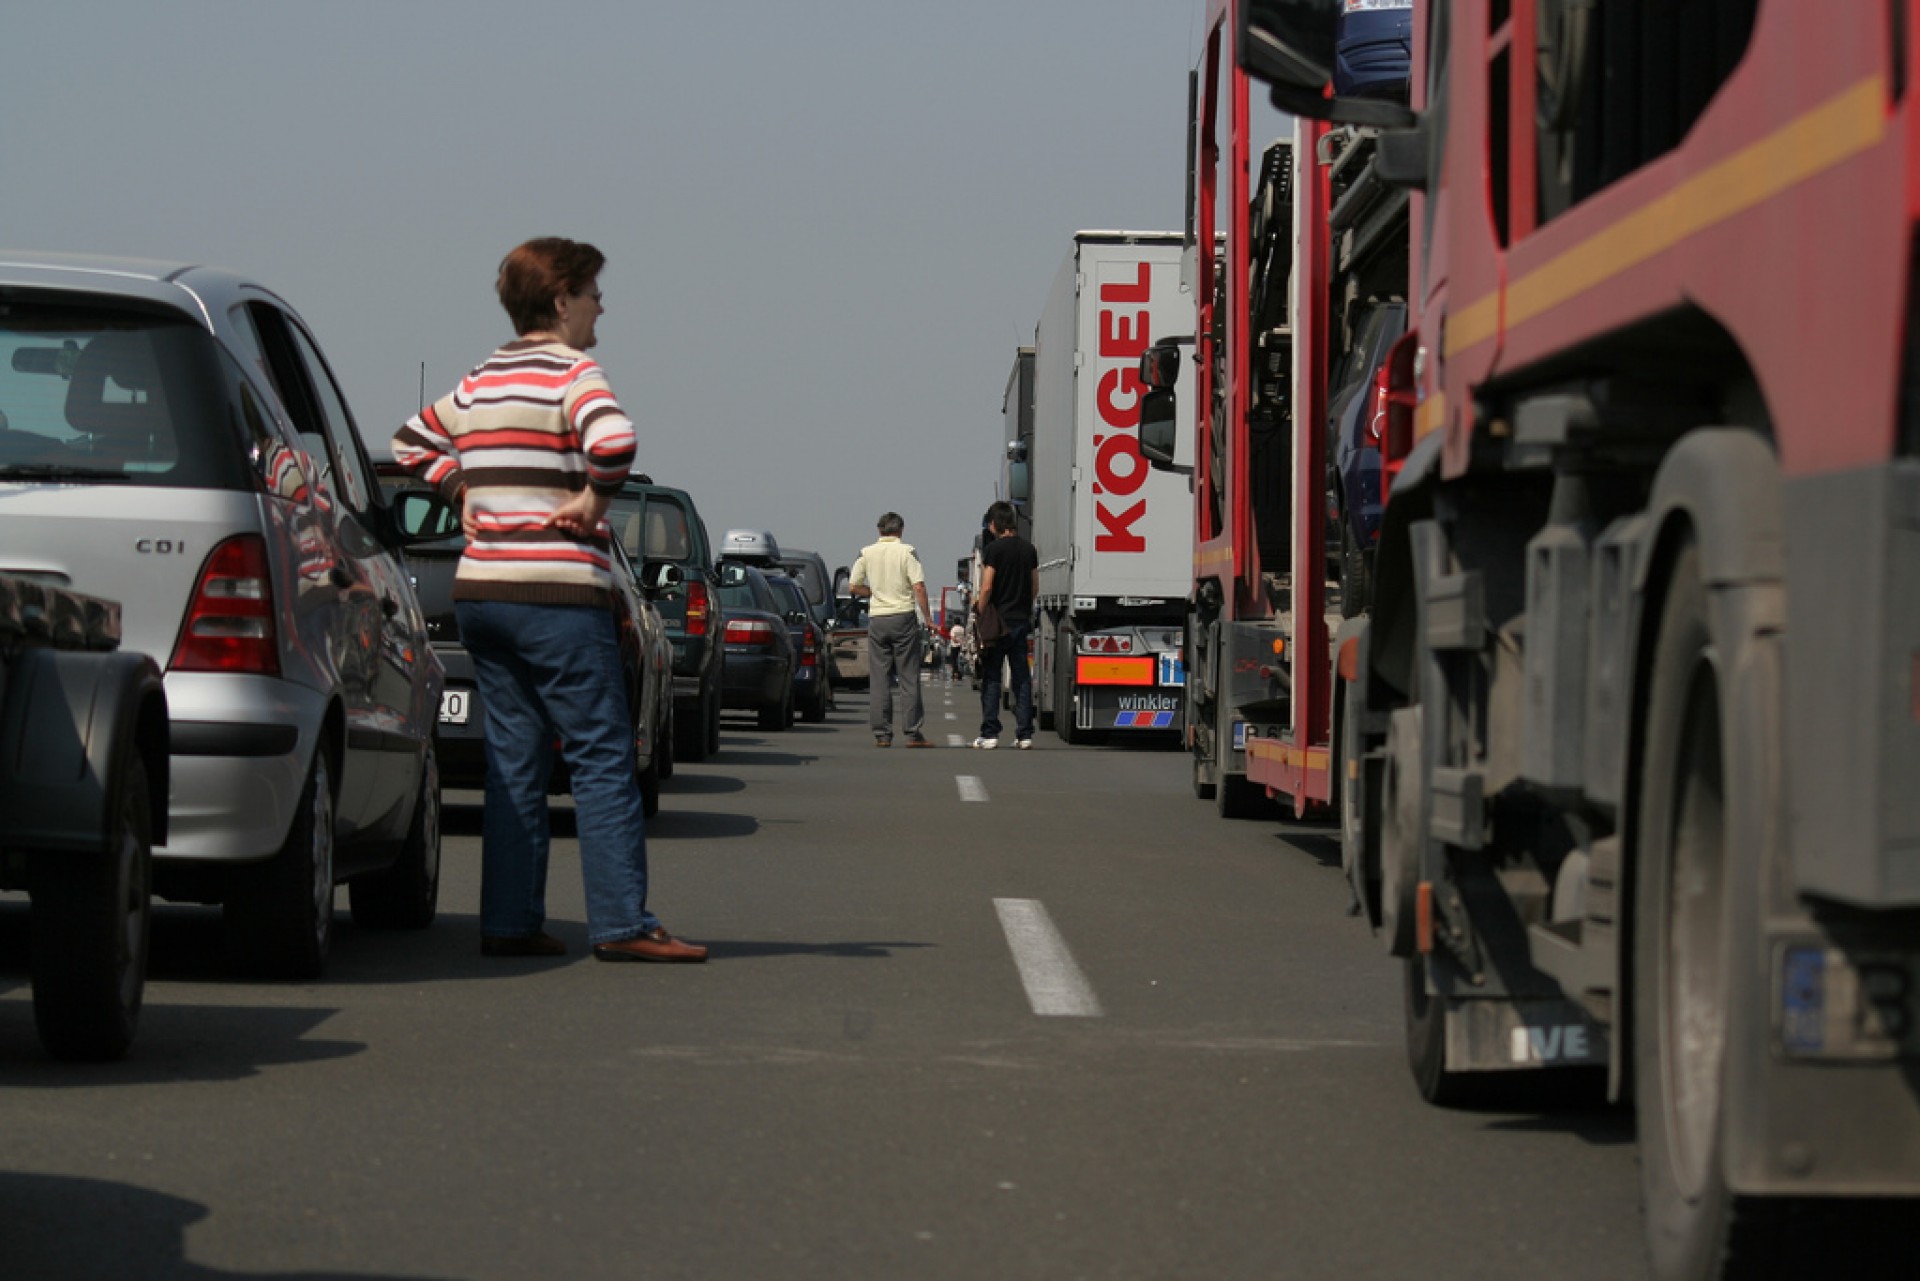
(90, 921)
(279, 914)
(1203, 785)
(1235, 796)
(406, 895)
(1426, 1027)
(1683, 951)
(1066, 716)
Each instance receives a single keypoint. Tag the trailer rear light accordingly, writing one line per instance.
(697, 608)
(1397, 386)
(229, 625)
(752, 632)
(1107, 644)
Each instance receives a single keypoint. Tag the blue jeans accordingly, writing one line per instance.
(545, 670)
(1010, 649)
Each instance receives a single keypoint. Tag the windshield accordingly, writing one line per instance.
(93, 393)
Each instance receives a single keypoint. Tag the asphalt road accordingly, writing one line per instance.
(1057, 1021)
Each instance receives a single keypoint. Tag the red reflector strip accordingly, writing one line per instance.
(1113, 671)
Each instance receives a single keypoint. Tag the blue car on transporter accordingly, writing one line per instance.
(1373, 49)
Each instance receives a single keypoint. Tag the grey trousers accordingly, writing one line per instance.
(893, 651)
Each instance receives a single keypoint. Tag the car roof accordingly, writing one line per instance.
(187, 287)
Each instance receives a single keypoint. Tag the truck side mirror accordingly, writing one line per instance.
(1160, 363)
(1158, 434)
(1019, 482)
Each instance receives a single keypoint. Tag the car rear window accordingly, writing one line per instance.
(95, 393)
(654, 529)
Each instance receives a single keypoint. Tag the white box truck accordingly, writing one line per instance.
(1115, 536)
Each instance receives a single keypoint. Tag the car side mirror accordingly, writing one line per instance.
(420, 515)
(662, 575)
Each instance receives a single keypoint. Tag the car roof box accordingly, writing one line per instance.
(756, 546)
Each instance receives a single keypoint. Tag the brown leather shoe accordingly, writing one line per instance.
(918, 740)
(655, 945)
(540, 944)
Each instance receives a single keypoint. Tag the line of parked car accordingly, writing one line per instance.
(180, 471)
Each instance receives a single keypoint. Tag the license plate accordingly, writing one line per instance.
(455, 706)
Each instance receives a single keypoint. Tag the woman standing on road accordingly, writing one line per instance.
(530, 448)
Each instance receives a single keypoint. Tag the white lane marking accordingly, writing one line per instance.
(956, 740)
(971, 788)
(1048, 971)
(953, 716)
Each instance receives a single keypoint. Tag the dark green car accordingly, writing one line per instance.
(659, 525)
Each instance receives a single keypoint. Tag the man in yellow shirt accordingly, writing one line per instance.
(888, 572)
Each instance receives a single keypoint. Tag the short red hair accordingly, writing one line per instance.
(539, 271)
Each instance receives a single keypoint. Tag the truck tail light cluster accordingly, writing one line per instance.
(229, 624)
(696, 609)
(756, 633)
(1106, 644)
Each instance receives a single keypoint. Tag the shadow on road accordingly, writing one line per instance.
(94, 1230)
(177, 1043)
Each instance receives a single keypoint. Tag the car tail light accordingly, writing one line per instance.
(754, 632)
(696, 609)
(809, 652)
(230, 622)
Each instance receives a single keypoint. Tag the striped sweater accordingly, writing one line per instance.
(535, 424)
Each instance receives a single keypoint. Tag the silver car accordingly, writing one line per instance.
(171, 438)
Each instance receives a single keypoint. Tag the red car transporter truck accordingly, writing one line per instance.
(1627, 741)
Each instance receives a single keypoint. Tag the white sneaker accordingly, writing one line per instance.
(1023, 744)
(988, 743)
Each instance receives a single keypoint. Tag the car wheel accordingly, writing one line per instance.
(91, 914)
(279, 914)
(816, 710)
(694, 730)
(406, 895)
(649, 781)
(663, 738)
(713, 718)
(773, 716)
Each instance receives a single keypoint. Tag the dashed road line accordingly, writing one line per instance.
(1054, 982)
(956, 740)
(971, 788)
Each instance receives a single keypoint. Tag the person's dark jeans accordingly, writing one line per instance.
(542, 670)
(1010, 650)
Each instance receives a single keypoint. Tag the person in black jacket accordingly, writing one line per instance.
(1010, 578)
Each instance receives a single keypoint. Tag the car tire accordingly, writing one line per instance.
(279, 914)
(713, 718)
(775, 716)
(695, 732)
(407, 895)
(663, 737)
(91, 918)
(649, 781)
(816, 709)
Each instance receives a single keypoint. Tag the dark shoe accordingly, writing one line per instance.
(655, 945)
(521, 945)
(917, 740)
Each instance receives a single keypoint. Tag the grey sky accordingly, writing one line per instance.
(829, 222)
